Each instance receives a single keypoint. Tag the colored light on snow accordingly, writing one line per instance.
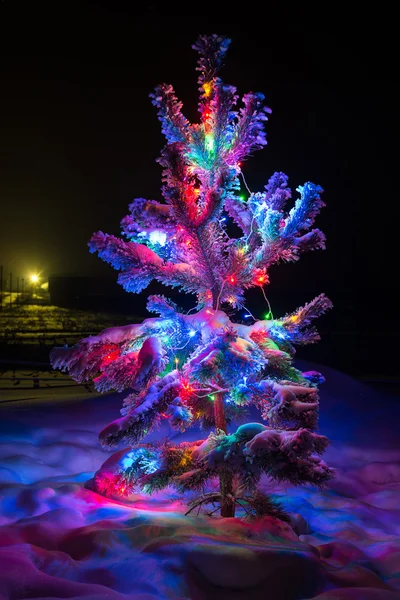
(127, 462)
(280, 334)
(158, 237)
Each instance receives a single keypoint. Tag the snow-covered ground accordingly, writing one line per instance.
(60, 540)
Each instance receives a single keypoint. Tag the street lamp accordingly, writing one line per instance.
(34, 281)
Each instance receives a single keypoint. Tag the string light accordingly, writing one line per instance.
(207, 87)
(245, 182)
(269, 306)
(249, 313)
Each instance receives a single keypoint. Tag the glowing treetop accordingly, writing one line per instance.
(204, 367)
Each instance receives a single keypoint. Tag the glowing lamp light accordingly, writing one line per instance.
(232, 279)
(207, 87)
(158, 237)
(34, 278)
(268, 316)
(192, 333)
(209, 142)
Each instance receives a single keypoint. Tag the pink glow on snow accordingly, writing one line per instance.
(59, 539)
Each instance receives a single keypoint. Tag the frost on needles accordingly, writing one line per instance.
(203, 367)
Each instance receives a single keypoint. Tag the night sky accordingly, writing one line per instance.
(79, 136)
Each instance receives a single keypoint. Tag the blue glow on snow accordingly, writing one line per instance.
(148, 464)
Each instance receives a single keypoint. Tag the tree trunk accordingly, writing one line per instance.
(226, 478)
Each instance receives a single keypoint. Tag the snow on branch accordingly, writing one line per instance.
(212, 50)
(288, 405)
(142, 413)
(123, 255)
(147, 215)
(175, 126)
(297, 324)
(306, 208)
(249, 130)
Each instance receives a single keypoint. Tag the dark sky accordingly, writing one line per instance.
(79, 136)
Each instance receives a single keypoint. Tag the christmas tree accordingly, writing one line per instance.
(204, 367)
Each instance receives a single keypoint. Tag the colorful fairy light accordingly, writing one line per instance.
(207, 87)
(158, 237)
(209, 140)
(179, 361)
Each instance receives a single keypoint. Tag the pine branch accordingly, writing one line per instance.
(212, 50)
(175, 126)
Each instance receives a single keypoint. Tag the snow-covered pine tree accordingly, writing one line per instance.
(202, 366)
